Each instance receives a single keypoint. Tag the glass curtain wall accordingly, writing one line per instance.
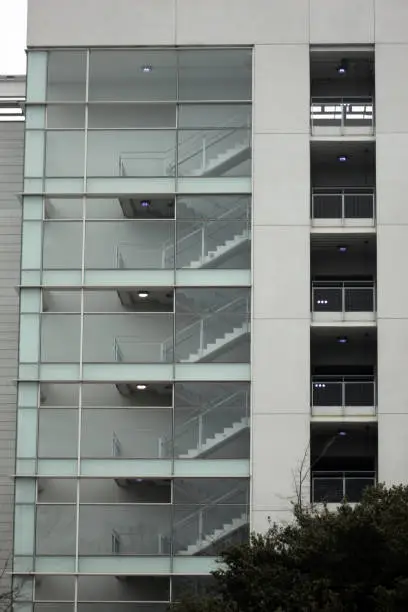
(134, 394)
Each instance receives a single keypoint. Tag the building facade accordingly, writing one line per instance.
(211, 323)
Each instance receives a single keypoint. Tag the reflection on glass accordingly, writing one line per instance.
(62, 247)
(105, 116)
(129, 244)
(55, 530)
(133, 75)
(131, 153)
(65, 154)
(135, 588)
(58, 433)
(66, 76)
(60, 338)
(224, 151)
(128, 338)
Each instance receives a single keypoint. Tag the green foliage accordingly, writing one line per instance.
(350, 560)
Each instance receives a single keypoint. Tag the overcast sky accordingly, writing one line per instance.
(13, 36)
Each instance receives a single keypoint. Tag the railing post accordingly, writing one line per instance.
(203, 241)
(344, 485)
(343, 206)
(200, 431)
(343, 394)
(201, 334)
(204, 156)
(200, 526)
(343, 112)
(343, 300)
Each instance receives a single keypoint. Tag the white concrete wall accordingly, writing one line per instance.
(392, 238)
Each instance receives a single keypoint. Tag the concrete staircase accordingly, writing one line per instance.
(224, 342)
(199, 546)
(223, 251)
(217, 440)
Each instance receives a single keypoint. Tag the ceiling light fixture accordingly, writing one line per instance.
(141, 387)
(342, 433)
(342, 339)
(342, 248)
(145, 203)
(342, 67)
(342, 158)
(147, 68)
(143, 294)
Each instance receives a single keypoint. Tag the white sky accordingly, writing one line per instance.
(13, 36)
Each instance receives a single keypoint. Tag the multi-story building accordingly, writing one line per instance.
(213, 192)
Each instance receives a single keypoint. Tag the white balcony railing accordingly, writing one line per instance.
(351, 206)
(334, 487)
(344, 301)
(343, 396)
(342, 115)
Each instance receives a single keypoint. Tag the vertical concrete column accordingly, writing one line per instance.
(281, 243)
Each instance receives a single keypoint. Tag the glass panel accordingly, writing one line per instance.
(326, 393)
(104, 116)
(129, 244)
(63, 208)
(128, 338)
(123, 607)
(103, 490)
(25, 490)
(131, 153)
(34, 153)
(214, 152)
(359, 205)
(327, 299)
(36, 76)
(27, 432)
(359, 299)
(58, 433)
(54, 394)
(31, 245)
(211, 420)
(143, 74)
(32, 207)
(55, 530)
(62, 246)
(125, 432)
(215, 74)
(24, 530)
(66, 75)
(60, 338)
(35, 117)
(57, 490)
(29, 338)
(215, 115)
(191, 585)
(124, 530)
(359, 393)
(61, 301)
(128, 300)
(30, 300)
(213, 325)
(135, 588)
(327, 206)
(327, 490)
(66, 116)
(65, 154)
(59, 588)
(54, 607)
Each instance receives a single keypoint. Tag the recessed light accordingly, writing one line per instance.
(342, 67)
(143, 294)
(342, 433)
(147, 68)
(145, 203)
(342, 248)
(342, 339)
(141, 387)
(342, 158)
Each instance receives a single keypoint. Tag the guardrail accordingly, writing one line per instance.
(334, 487)
(343, 204)
(342, 114)
(343, 391)
(343, 297)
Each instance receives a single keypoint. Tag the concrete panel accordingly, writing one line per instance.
(391, 66)
(392, 367)
(392, 251)
(101, 22)
(281, 368)
(241, 22)
(393, 449)
(392, 178)
(281, 443)
(391, 21)
(334, 22)
(282, 83)
(281, 179)
(281, 275)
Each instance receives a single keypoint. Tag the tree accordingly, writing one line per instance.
(354, 559)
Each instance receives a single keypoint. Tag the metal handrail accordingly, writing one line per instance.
(201, 321)
(342, 110)
(345, 194)
(346, 288)
(214, 406)
(321, 382)
(343, 477)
